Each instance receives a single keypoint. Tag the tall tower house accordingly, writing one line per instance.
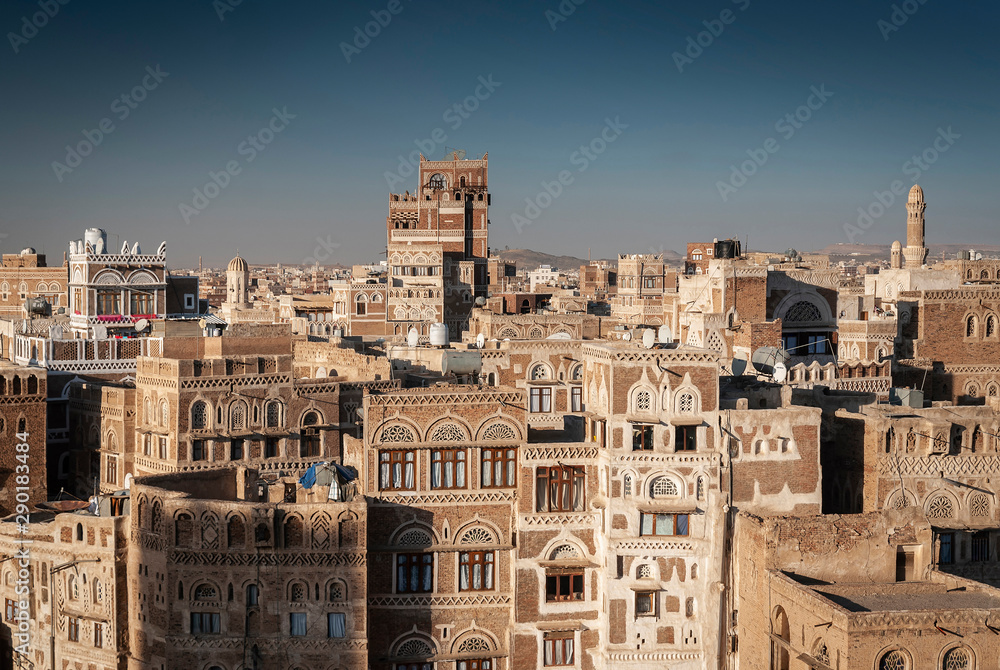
(438, 245)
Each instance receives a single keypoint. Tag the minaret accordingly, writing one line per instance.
(897, 255)
(915, 251)
(237, 278)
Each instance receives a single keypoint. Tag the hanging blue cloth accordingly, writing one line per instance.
(344, 473)
(308, 480)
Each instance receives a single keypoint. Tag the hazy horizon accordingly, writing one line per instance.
(534, 82)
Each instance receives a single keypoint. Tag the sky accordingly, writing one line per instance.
(278, 129)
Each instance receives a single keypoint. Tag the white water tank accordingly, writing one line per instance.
(92, 235)
(439, 335)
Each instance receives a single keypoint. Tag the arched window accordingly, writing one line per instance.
(147, 410)
(164, 413)
(199, 415)
(991, 325)
(236, 532)
(73, 587)
(700, 489)
(539, 371)
(293, 532)
(940, 508)
(893, 660)
(577, 373)
(205, 592)
(414, 648)
(627, 485)
(685, 403)
(803, 311)
(642, 401)
(957, 659)
(821, 652)
(299, 592)
(337, 592)
(183, 530)
(971, 326)
(779, 631)
(238, 415)
(663, 487)
(397, 433)
(273, 414)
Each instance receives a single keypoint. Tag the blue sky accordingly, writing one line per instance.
(321, 180)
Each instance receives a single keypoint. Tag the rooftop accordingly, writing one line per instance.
(907, 596)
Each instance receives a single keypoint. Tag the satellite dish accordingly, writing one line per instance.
(480, 341)
(627, 336)
(664, 335)
(559, 336)
(739, 366)
(412, 337)
(202, 323)
(480, 301)
(765, 358)
(100, 332)
(780, 372)
(648, 338)
(143, 324)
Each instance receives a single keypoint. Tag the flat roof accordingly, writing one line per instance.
(906, 596)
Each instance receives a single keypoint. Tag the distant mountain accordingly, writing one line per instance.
(530, 260)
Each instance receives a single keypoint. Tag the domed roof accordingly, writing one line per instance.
(238, 265)
(896, 246)
(916, 194)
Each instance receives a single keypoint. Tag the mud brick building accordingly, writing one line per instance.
(219, 577)
(441, 470)
(855, 591)
(75, 577)
(438, 245)
(237, 402)
(22, 421)
(25, 276)
(951, 339)
(642, 281)
(496, 326)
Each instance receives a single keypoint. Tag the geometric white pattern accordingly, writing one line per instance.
(476, 536)
(397, 433)
(940, 508)
(412, 648)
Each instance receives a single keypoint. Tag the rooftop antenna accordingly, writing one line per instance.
(456, 154)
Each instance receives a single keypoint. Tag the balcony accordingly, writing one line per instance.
(112, 355)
